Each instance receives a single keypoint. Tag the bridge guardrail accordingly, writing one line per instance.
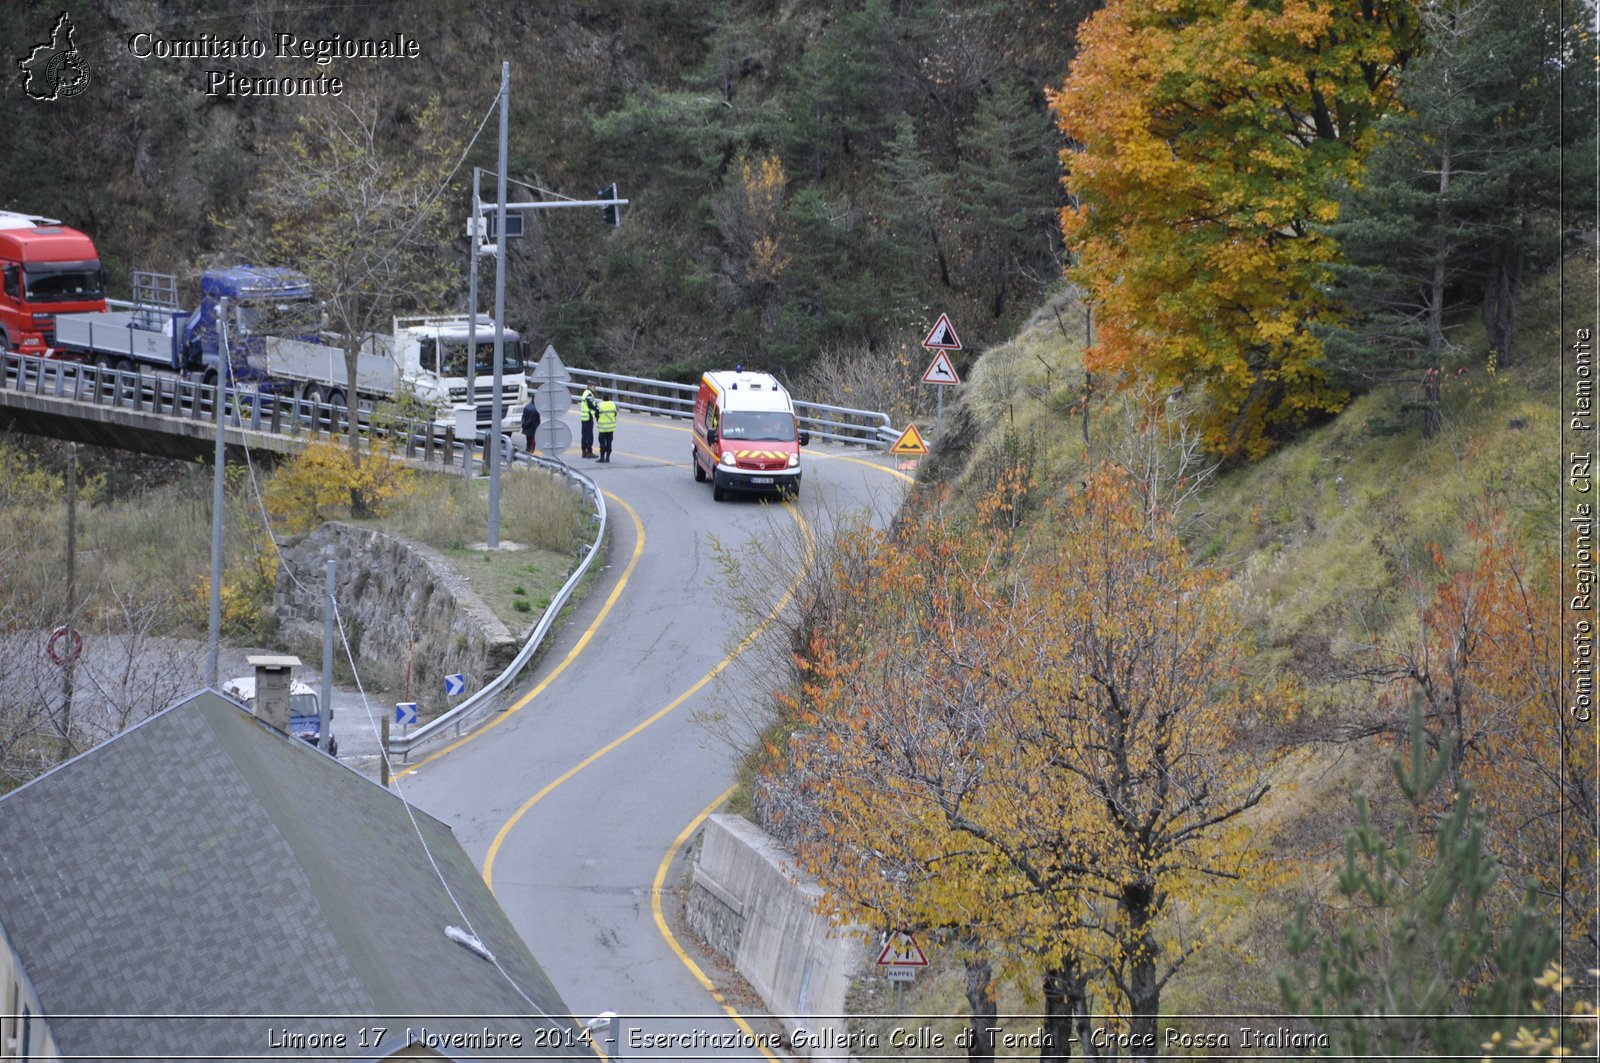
(428, 441)
(168, 395)
(665, 398)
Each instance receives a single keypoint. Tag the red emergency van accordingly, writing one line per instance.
(45, 269)
(746, 435)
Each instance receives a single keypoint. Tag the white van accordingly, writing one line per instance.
(746, 435)
(305, 716)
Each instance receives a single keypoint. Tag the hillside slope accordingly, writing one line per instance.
(1332, 542)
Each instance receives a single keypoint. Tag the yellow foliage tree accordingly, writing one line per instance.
(1208, 135)
(324, 481)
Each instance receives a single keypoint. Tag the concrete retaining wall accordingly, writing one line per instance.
(400, 601)
(747, 900)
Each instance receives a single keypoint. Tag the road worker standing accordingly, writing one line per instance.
(606, 420)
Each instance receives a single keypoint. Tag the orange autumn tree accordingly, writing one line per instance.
(1039, 741)
(888, 734)
(1488, 666)
(1207, 135)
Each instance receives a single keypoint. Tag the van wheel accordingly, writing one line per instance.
(699, 473)
(333, 745)
(718, 493)
(792, 493)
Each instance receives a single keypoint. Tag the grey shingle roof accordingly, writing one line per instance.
(203, 865)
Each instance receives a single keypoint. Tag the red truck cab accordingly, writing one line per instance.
(45, 269)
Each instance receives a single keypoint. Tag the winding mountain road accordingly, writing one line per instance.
(577, 800)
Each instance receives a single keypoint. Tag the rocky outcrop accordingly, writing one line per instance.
(401, 608)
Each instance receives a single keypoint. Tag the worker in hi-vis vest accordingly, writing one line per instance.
(586, 412)
(606, 421)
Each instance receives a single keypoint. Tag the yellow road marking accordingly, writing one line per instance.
(744, 644)
(572, 655)
(656, 888)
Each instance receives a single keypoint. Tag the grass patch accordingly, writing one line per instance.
(491, 572)
(539, 514)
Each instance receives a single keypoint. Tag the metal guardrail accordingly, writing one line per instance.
(452, 723)
(664, 398)
(169, 395)
(174, 396)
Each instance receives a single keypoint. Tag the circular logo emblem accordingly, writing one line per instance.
(66, 74)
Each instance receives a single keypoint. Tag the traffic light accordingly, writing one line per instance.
(613, 213)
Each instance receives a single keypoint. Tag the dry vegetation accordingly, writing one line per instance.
(140, 576)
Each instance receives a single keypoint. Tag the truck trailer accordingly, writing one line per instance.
(272, 350)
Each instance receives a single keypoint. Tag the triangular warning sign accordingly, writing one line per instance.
(942, 336)
(902, 950)
(940, 371)
(910, 442)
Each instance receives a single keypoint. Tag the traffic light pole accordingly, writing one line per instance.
(499, 317)
(612, 207)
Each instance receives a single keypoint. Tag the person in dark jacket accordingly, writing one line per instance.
(530, 423)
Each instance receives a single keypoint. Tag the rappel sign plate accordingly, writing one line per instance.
(910, 443)
(942, 336)
(940, 371)
(902, 950)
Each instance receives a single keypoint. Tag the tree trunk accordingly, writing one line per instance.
(981, 1005)
(1501, 290)
(360, 504)
(1144, 989)
(1431, 418)
(1436, 296)
(1066, 1006)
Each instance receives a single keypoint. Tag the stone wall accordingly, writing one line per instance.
(749, 903)
(398, 601)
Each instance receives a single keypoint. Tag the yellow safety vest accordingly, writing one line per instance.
(583, 404)
(607, 420)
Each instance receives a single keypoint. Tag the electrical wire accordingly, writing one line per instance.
(225, 375)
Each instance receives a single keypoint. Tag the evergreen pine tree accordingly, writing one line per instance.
(1413, 967)
(1009, 188)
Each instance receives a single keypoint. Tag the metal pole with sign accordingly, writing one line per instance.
(552, 398)
(900, 961)
(941, 339)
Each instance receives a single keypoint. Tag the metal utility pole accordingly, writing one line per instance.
(610, 204)
(70, 661)
(214, 628)
(497, 410)
(476, 237)
(325, 706)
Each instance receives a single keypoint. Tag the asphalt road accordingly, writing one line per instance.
(576, 801)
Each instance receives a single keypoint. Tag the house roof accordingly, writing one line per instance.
(204, 885)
